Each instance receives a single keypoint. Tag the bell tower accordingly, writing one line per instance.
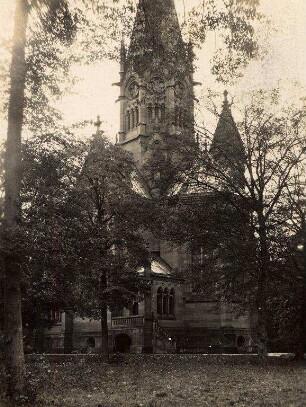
(156, 80)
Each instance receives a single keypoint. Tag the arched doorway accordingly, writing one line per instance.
(123, 343)
(91, 343)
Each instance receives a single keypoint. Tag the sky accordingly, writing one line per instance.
(285, 61)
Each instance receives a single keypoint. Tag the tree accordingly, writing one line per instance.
(235, 23)
(51, 166)
(111, 217)
(15, 364)
(255, 183)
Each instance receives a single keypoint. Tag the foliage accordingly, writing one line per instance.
(112, 215)
(234, 22)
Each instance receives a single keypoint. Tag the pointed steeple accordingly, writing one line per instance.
(156, 36)
(227, 146)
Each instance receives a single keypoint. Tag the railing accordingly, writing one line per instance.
(128, 321)
(160, 331)
(164, 335)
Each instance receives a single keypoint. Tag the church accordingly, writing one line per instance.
(157, 101)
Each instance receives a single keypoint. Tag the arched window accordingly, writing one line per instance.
(136, 116)
(132, 119)
(159, 301)
(171, 302)
(163, 114)
(156, 114)
(128, 124)
(166, 302)
(126, 121)
(150, 113)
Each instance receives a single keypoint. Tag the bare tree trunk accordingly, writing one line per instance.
(68, 338)
(15, 363)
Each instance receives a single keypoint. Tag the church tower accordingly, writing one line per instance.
(156, 80)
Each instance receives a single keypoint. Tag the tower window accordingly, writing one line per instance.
(156, 115)
(163, 114)
(132, 119)
(128, 120)
(150, 113)
(136, 116)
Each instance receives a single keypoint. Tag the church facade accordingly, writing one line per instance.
(156, 101)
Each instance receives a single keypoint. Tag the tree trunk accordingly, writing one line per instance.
(262, 335)
(262, 289)
(15, 363)
(39, 333)
(104, 332)
(68, 338)
(104, 325)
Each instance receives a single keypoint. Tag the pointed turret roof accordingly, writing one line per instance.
(227, 142)
(156, 35)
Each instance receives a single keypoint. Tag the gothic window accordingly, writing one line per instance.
(156, 114)
(150, 113)
(166, 302)
(163, 114)
(171, 302)
(128, 120)
(136, 116)
(132, 119)
(159, 301)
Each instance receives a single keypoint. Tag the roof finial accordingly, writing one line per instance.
(97, 124)
(225, 102)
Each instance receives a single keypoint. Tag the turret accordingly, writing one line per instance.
(227, 147)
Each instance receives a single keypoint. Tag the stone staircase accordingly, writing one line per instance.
(163, 340)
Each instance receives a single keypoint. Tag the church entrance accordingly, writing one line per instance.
(123, 343)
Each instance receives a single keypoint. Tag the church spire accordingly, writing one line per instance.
(156, 35)
(227, 146)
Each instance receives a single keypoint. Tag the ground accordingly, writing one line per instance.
(168, 380)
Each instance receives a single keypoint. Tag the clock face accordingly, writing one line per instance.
(133, 90)
(156, 85)
(179, 89)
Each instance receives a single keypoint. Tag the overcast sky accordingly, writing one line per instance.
(285, 61)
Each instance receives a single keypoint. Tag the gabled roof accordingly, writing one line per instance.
(159, 267)
(139, 185)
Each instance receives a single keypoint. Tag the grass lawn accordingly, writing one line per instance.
(168, 380)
